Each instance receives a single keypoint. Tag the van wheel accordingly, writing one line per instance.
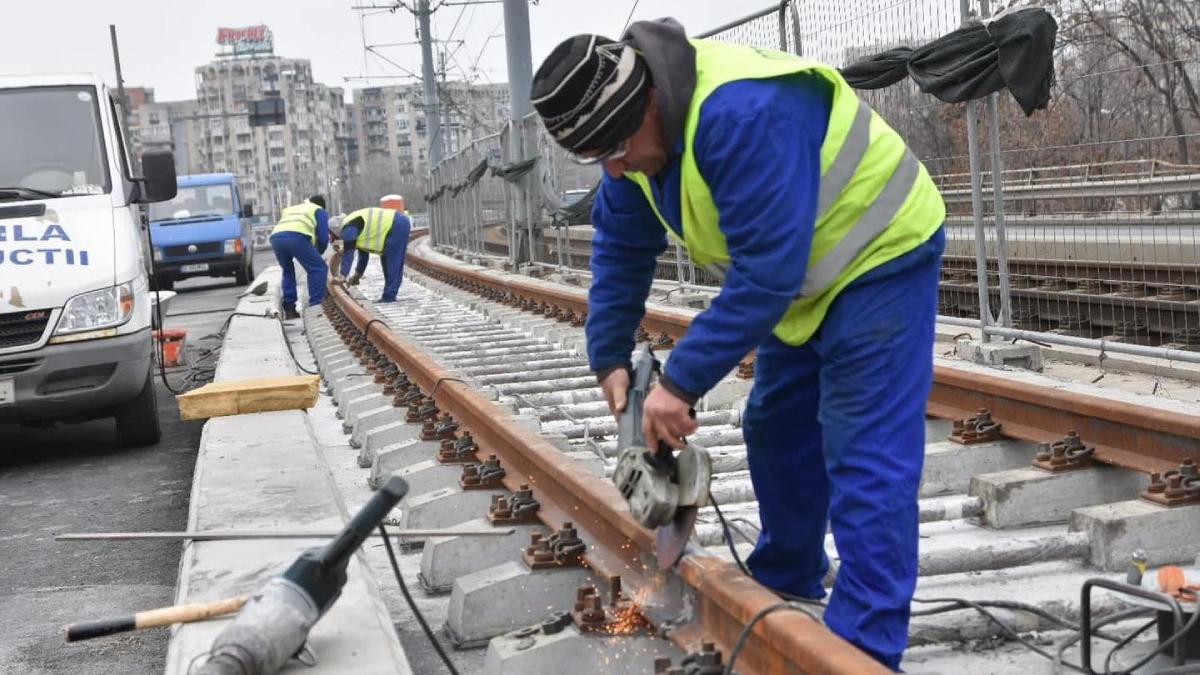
(246, 274)
(162, 284)
(137, 420)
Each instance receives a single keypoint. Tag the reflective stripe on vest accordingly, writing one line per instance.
(377, 223)
(300, 218)
(875, 200)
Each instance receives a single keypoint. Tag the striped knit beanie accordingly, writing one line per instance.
(591, 93)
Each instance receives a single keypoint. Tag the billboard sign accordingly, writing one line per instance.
(247, 40)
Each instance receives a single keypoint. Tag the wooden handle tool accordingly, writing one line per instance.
(153, 618)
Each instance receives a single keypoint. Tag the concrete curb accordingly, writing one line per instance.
(267, 471)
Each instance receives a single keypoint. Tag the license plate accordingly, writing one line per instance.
(198, 267)
(8, 392)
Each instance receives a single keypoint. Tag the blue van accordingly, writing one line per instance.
(204, 231)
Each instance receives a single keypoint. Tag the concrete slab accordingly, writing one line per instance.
(355, 407)
(382, 437)
(1115, 531)
(346, 389)
(375, 418)
(532, 652)
(1023, 497)
(422, 477)
(446, 507)
(401, 456)
(949, 466)
(448, 558)
(506, 597)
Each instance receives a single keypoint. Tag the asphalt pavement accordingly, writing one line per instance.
(73, 478)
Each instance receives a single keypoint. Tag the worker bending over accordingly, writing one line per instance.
(302, 235)
(828, 235)
(383, 232)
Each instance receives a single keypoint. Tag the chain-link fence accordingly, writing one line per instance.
(1087, 238)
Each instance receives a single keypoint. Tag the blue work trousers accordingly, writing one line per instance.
(291, 247)
(394, 248)
(348, 257)
(835, 431)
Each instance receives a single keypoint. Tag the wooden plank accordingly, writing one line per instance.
(239, 397)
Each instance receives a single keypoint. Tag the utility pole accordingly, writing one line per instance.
(449, 142)
(432, 115)
(520, 78)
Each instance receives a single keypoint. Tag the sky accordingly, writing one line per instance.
(162, 41)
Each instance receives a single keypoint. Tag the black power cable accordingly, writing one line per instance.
(749, 627)
(412, 604)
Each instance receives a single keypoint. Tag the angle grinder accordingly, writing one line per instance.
(665, 491)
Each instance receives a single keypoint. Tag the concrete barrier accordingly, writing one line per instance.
(266, 471)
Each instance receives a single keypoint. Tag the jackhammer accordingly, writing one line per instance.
(274, 624)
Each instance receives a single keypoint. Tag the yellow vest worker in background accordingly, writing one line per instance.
(302, 235)
(393, 202)
(827, 233)
(383, 232)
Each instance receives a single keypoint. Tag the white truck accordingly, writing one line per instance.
(75, 305)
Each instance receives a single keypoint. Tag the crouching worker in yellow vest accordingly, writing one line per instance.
(827, 234)
(383, 232)
(302, 236)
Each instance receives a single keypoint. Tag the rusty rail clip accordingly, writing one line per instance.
(978, 429)
(519, 509)
(564, 548)
(622, 617)
(1068, 454)
(1175, 488)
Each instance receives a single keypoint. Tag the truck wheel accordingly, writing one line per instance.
(137, 420)
(246, 274)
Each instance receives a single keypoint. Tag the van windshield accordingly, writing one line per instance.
(51, 143)
(195, 202)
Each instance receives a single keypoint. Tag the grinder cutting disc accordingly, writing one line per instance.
(673, 538)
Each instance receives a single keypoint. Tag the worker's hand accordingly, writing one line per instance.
(667, 418)
(615, 386)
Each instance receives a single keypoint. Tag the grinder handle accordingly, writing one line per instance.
(364, 522)
(629, 424)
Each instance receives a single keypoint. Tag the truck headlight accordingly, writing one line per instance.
(98, 311)
(233, 247)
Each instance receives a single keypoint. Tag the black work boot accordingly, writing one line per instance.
(289, 313)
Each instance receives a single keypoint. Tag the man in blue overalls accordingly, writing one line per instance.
(828, 235)
(383, 232)
(302, 235)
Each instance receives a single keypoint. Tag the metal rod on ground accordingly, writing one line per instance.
(225, 535)
(152, 618)
(1072, 341)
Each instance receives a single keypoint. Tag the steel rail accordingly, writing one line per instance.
(723, 599)
(1126, 435)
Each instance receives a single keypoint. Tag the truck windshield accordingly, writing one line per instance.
(51, 143)
(195, 202)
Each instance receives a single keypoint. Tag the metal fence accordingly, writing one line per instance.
(1087, 237)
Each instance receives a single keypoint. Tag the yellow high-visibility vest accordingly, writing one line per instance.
(875, 203)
